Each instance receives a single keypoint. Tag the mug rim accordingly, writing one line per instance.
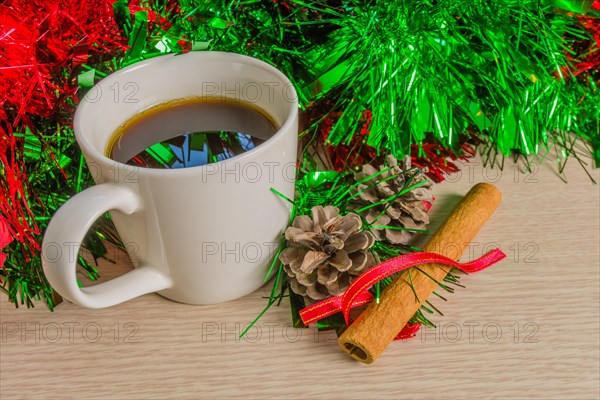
(98, 156)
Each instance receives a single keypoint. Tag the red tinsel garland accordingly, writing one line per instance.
(43, 45)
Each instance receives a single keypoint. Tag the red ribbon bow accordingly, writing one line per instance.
(357, 293)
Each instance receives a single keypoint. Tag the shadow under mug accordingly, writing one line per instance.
(198, 235)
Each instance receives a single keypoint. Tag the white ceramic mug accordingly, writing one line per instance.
(198, 235)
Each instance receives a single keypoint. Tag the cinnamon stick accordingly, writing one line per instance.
(377, 326)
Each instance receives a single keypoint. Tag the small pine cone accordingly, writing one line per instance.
(324, 253)
(406, 211)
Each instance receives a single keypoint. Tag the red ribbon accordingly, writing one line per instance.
(357, 293)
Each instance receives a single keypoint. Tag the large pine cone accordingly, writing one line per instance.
(407, 211)
(325, 252)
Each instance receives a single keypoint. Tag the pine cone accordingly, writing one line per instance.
(324, 253)
(407, 211)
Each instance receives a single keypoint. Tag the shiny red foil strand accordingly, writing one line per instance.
(43, 45)
(586, 57)
(5, 239)
(434, 158)
(169, 9)
(351, 156)
(592, 61)
(437, 160)
(14, 206)
(153, 17)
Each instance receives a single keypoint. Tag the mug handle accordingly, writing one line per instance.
(66, 232)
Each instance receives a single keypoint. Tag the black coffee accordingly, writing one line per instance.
(189, 133)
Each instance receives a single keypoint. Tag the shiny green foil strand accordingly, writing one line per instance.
(578, 6)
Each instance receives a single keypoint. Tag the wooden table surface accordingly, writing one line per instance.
(526, 328)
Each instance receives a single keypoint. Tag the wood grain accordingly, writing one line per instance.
(526, 328)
